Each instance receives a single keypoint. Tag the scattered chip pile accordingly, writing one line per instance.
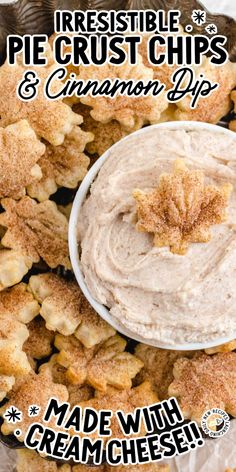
(52, 343)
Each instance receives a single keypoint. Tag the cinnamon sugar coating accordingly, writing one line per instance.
(205, 382)
(181, 210)
(20, 151)
(100, 366)
(66, 310)
(36, 389)
(13, 266)
(132, 113)
(62, 166)
(51, 120)
(158, 366)
(40, 341)
(18, 303)
(37, 230)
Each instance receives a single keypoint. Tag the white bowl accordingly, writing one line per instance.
(80, 197)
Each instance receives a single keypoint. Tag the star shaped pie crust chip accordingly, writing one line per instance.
(227, 347)
(31, 461)
(62, 166)
(181, 210)
(106, 364)
(205, 382)
(20, 151)
(38, 230)
(66, 310)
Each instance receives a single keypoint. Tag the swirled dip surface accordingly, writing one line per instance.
(157, 294)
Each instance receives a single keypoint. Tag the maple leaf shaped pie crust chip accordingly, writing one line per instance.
(181, 209)
(37, 230)
(205, 382)
(100, 366)
(62, 166)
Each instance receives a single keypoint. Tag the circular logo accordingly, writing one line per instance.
(215, 423)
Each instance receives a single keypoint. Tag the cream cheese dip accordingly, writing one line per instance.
(151, 291)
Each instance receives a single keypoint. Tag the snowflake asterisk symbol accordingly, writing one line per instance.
(13, 415)
(33, 410)
(211, 29)
(199, 17)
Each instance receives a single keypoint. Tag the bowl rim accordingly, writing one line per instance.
(79, 199)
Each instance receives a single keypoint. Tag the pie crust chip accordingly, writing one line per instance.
(37, 389)
(77, 393)
(62, 166)
(19, 303)
(162, 72)
(20, 151)
(40, 341)
(132, 113)
(13, 334)
(31, 461)
(212, 108)
(66, 310)
(50, 119)
(227, 347)
(6, 384)
(100, 366)
(105, 134)
(205, 382)
(13, 267)
(37, 230)
(151, 467)
(181, 210)
(158, 367)
(126, 401)
(232, 124)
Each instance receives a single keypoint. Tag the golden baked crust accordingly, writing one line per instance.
(126, 401)
(212, 108)
(13, 334)
(100, 366)
(181, 209)
(13, 266)
(77, 393)
(36, 389)
(51, 120)
(20, 151)
(19, 303)
(6, 384)
(66, 310)
(158, 366)
(40, 341)
(37, 230)
(62, 166)
(152, 467)
(104, 134)
(232, 124)
(31, 461)
(205, 382)
(132, 113)
(230, 346)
